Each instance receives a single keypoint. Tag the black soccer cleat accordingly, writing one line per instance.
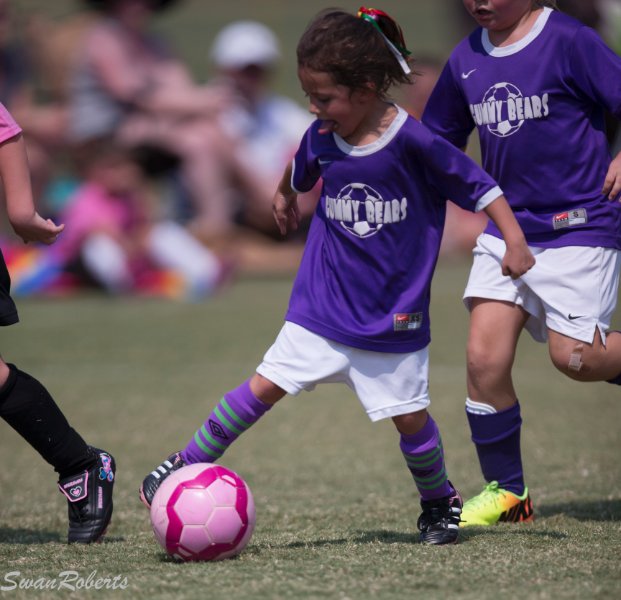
(89, 495)
(154, 479)
(439, 521)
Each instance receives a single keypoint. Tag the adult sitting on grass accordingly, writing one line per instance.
(126, 83)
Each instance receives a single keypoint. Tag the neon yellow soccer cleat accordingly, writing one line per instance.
(495, 505)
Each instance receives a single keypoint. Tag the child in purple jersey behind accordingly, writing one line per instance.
(535, 84)
(359, 309)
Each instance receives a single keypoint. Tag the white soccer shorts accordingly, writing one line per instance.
(572, 290)
(387, 384)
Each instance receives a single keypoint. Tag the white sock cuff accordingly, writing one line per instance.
(479, 408)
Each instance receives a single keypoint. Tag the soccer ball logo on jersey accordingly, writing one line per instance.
(362, 211)
(505, 109)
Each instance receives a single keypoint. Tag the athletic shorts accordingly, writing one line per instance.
(387, 384)
(8, 310)
(571, 290)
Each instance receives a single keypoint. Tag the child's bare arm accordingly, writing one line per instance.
(285, 205)
(518, 258)
(21, 211)
(612, 183)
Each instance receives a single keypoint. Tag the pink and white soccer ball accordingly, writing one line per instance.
(203, 512)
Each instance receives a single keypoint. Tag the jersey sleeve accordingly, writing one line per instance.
(596, 70)
(8, 127)
(457, 177)
(306, 171)
(446, 112)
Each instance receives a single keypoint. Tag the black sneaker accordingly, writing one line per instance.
(153, 480)
(439, 521)
(89, 495)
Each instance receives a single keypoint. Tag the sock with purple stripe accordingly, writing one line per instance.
(497, 440)
(236, 412)
(424, 457)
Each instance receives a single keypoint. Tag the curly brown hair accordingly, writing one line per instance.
(352, 51)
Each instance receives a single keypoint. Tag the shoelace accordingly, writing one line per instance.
(490, 493)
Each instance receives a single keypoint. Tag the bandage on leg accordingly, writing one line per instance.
(575, 358)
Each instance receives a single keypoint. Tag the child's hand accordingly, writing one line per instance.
(286, 211)
(517, 260)
(612, 183)
(37, 229)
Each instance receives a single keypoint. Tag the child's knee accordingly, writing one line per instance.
(482, 360)
(264, 389)
(410, 423)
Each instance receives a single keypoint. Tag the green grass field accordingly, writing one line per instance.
(336, 508)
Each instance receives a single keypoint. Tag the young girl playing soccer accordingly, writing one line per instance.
(86, 474)
(535, 83)
(359, 309)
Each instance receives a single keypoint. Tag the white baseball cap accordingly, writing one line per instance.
(244, 43)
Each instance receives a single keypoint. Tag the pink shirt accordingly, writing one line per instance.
(92, 209)
(8, 127)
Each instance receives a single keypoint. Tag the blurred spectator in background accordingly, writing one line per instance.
(231, 137)
(114, 239)
(127, 84)
(266, 127)
(113, 233)
(43, 125)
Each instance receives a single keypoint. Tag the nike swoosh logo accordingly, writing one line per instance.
(574, 317)
(466, 75)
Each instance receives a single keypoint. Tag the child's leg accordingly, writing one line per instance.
(28, 408)
(422, 448)
(496, 435)
(494, 331)
(492, 407)
(587, 362)
(493, 413)
(237, 411)
(579, 309)
(441, 503)
(86, 474)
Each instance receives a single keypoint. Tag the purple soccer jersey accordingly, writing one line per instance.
(373, 243)
(538, 106)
